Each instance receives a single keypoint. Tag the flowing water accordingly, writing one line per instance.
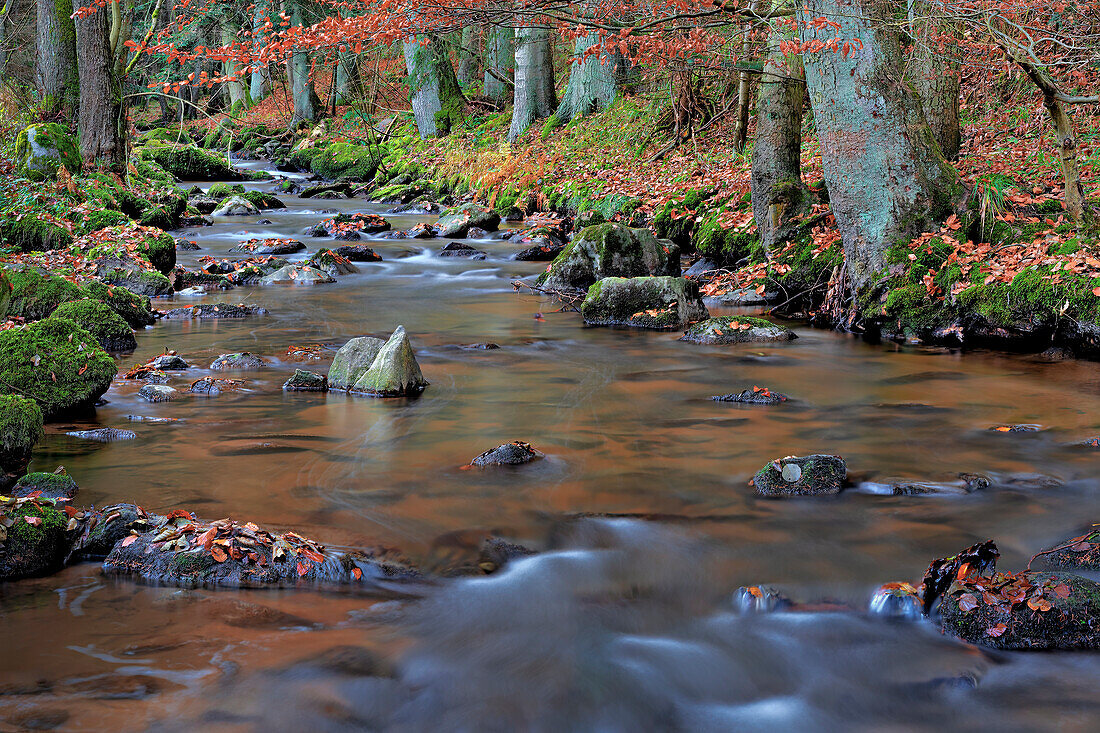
(623, 623)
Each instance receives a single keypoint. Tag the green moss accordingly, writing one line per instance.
(31, 234)
(262, 200)
(192, 562)
(189, 163)
(35, 296)
(41, 149)
(162, 134)
(20, 430)
(108, 327)
(160, 250)
(31, 550)
(221, 191)
(101, 219)
(346, 160)
(55, 362)
(136, 310)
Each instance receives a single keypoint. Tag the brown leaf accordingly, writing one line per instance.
(218, 553)
(996, 630)
(129, 540)
(967, 602)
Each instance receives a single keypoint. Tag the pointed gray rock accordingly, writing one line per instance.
(352, 361)
(394, 371)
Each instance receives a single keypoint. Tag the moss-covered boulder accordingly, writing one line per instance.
(189, 163)
(136, 310)
(262, 200)
(31, 234)
(32, 538)
(610, 250)
(306, 381)
(40, 150)
(1028, 610)
(56, 363)
(346, 161)
(394, 371)
(643, 302)
(736, 330)
(136, 275)
(814, 475)
(220, 190)
(458, 221)
(164, 135)
(35, 296)
(352, 361)
(58, 485)
(20, 430)
(1077, 553)
(98, 319)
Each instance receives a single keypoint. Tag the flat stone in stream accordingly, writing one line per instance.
(103, 435)
(458, 249)
(298, 275)
(239, 361)
(754, 396)
(358, 253)
(158, 393)
(736, 330)
(217, 310)
(269, 247)
(306, 381)
(421, 231)
(350, 226)
(169, 362)
(184, 551)
(331, 263)
(515, 453)
(815, 475)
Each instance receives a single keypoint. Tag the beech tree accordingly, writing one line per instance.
(55, 63)
(596, 75)
(436, 97)
(500, 62)
(534, 96)
(102, 119)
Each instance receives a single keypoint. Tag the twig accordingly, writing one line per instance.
(571, 300)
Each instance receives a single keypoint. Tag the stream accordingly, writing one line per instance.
(623, 623)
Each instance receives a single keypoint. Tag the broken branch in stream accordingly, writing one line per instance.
(571, 300)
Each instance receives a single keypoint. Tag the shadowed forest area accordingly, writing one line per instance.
(472, 365)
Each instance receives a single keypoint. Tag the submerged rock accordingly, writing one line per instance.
(394, 371)
(760, 599)
(297, 275)
(643, 302)
(510, 454)
(169, 362)
(496, 553)
(217, 310)
(458, 249)
(814, 475)
(358, 253)
(158, 393)
(99, 530)
(241, 360)
(896, 601)
(306, 381)
(754, 396)
(457, 222)
(611, 250)
(103, 435)
(736, 330)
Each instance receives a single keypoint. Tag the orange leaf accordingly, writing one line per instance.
(129, 540)
(302, 568)
(357, 573)
(218, 553)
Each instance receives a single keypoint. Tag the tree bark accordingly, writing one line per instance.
(55, 66)
(469, 64)
(435, 95)
(744, 91)
(102, 120)
(500, 63)
(779, 197)
(232, 69)
(886, 176)
(534, 96)
(595, 81)
(935, 77)
(259, 83)
(306, 101)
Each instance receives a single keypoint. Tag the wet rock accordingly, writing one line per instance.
(342, 226)
(496, 553)
(103, 435)
(418, 207)
(458, 249)
(814, 475)
(187, 245)
(611, 250)
(204, 204)
(701, 266)
(736, 330)
(158, 393)
(41, 149)
(342, 190)
(206, 386)
(1076, 553)
(154, 376)
(476, 233)
(297, 275)
(1031, 611)
(539, 253)
(134, 274)
(643, 302)
(352, 361)
(978, 559)
(189, 220)
(32, 537)
(217, 310)
(98, 530)
(421, 231)
(754, 396)
(759, 599)
(238, 361)
(20, 429)
(269, 247)
(169, 362)
(306, 381)
(358, 253)
(236, 206)
(896, 601)
(1023, 428)
(394, 371)
(481, 346)
(331, 263)
(510, 454)
(349, 661)
(740, 297)
(184, 551)
(457, 222)
(57, 485)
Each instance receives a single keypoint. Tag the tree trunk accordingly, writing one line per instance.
(744, 91)
(306, 101)
(500, 63)
(348, 81)
(935, 77)
(779, 197)
(102, 123)
(1074, 199)
(238, 96)
(260, 81)
(55, 65)
(436, 97)
(886, 176)
(594, 82)
(534, 96)
(469, 65)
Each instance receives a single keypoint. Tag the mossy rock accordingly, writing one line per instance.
(352, 361)
(98, 319)
(661, 303)
(221, 190)
(136, 310)
(35, 547)
(57, 363)
(102, 219)
(457, 221)
(262, 200)
(46, 485)
(164, 135)
(736, 330)
(610, 250)
(815, 475)
(20, 430)
(345, 161)
(190, 163)
(40, 150)
(1079, 553)
(35, 296)
(394, 371)
(1067, 623)
(31, 234)
(127, 273)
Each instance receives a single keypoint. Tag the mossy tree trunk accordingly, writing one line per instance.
(306, 101)
(594, 79)
(55, 63)
(259, 83)
(102, 118)
(435, 95)
(469, 56)
(886, 176)
(500, 63)
(779, 197)
(534, 96)
(238, 94)
(935, 76)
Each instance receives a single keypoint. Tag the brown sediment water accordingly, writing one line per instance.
(624, 624)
